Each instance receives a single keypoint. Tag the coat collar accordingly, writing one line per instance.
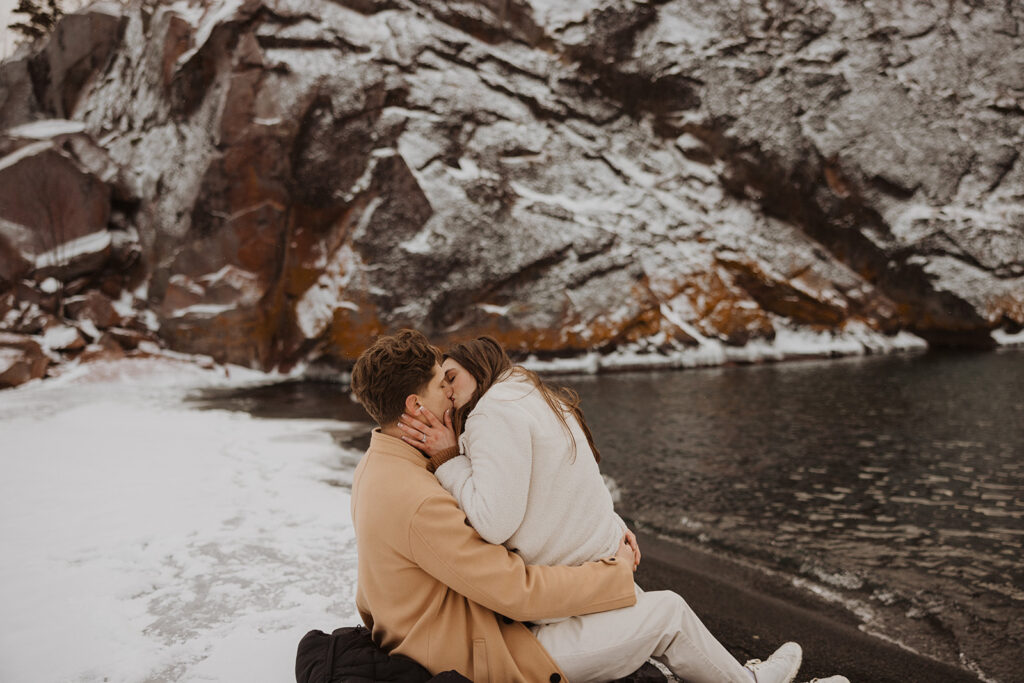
(395, 447)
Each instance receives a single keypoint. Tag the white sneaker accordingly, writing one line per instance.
(830, 679)
(781, 667)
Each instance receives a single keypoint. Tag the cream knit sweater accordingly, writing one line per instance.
(519, 483)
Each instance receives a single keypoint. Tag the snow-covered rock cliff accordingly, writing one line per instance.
(282, 180)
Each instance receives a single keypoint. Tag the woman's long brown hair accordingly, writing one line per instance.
(486, 361)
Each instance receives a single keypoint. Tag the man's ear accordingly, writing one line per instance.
(412, 403)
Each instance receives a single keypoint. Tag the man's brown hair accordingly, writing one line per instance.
(391, 369)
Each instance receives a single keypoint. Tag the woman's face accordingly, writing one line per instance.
(462, 383)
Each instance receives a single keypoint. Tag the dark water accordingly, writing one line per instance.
(894, 485)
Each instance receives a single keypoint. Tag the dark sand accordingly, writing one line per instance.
(752, 613)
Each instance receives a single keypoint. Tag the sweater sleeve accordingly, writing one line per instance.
(492, 481)
(445, 547)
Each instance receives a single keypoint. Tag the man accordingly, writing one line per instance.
(429, 587)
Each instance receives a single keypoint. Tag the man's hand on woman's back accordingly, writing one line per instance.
(632, 543)
(625, 553)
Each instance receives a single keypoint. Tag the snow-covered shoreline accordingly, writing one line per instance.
(790, 343)
(149, 540)
(1011, 339)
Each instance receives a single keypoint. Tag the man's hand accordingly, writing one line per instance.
(431, 435)
(631, 542)
(626, 554)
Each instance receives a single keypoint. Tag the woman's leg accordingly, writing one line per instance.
(610, 645)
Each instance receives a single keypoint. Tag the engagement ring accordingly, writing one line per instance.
(423, 438)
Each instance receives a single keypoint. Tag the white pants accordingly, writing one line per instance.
(610, 645)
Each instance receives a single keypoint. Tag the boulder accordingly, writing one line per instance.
(106, 347)
(21, 359)
(52, 212)
(93, 306)
(56, 206)
(128, 339)
(72, 259)
(44, 295)
(28, 318)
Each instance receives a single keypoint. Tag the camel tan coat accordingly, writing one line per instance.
(432, 589)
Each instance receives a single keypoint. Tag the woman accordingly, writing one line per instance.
(537, 489)
(521, 461)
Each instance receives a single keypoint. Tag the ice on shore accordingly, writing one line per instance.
(145, 539)
(789, 343)
(1004, 338)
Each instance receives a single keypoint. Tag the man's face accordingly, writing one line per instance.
(436, 396)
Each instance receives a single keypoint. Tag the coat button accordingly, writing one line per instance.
(555, 678)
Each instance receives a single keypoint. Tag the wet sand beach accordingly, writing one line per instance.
(752, 613)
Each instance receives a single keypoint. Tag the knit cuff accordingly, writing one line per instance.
(442, 457)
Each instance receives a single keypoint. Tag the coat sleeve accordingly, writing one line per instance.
(492, 482)
(444, 545)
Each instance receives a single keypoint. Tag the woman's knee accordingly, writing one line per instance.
(668, 606)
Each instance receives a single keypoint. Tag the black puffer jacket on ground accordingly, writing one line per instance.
(349, 655)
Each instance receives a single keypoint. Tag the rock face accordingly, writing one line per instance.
(66, 250)
(284, 180)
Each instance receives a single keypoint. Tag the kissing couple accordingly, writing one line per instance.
(487, 540)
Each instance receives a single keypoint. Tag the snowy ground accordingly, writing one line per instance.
(145, 540)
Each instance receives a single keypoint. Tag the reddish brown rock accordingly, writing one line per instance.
(13, 263)
(180, 292)
(21, 360)
(350, 327)
(28, 318)
(639, 321)
(6, 305)
(53, 213)
(31, 292)
(1007, 309)
(177, 39)
(93, 306)
(738, 322)
(70, 260)
(77, 286)
(224, 315)
(244, 336)
(112, 284)
(128, 339)
(80, 45)
(786, 297)
(724, 310)
(104, 348)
